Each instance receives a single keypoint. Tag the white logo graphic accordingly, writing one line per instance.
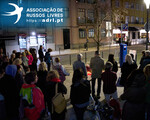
(15, 12)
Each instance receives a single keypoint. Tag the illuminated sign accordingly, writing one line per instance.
(32, 13)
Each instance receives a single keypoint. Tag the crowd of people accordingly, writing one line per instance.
(27, 90)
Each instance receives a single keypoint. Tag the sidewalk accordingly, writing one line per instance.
(73, 51)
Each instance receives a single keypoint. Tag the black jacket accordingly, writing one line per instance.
(50, 92)
(80, 92)
(8, 89)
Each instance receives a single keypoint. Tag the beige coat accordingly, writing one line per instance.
(97, 65)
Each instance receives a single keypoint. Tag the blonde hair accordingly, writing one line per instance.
(146, 70)
(28, 53)
(129, 59)
(42, 66)
(17, 61)
(23, 54)
(52, 74)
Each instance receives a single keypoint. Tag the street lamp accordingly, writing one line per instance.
(147, 2)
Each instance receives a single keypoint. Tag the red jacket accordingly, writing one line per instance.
(34, 96)
(30, 59)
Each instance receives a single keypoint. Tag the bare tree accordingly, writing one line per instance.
(109, 14)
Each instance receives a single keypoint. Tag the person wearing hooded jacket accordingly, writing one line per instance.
(33, 96)
(52, 80)
(8, 88)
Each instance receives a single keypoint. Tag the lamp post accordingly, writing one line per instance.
(147, 2)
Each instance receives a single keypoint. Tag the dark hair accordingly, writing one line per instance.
(132, 56)
(30, 77)
(96, 52)
(18, 54)
(57, 59)
(111, 58)
(77, 75)
(108, 65)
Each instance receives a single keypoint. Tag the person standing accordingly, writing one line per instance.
(112, 60)
(30, 57)
(61, 70)
(50, 91)
(109, 79)
(41, 55)
(8, 88)
(48, 58)
(97, 65)
(126, 69)
(80, 93)
(80, 65)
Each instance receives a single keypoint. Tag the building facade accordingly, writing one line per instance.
(80, 19)
(132, 21)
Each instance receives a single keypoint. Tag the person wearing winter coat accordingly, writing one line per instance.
(41, 54)
(42, 73)
(80, 65)
(50, 87)
(147, 87)
(112, 60)
(30, 58)
(8, 88)
(97, 65)
(134, 107)
(61, 70)
(109, 79)
(33, 96)
(48, 58)
(80, 93)
(126, 69)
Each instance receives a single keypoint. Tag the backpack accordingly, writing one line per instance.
(61, 73)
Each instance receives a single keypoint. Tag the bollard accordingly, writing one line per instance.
(70, 59)
(102, 54)
(59, 51)
(85, 58)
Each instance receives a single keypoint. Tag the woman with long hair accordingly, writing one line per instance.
(42, 73)
(30, 57)
(112, 60)
(126, 69)
(50, 87)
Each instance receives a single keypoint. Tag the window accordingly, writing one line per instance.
(91, 32)
(90, 16)
(132, 5)
(117, 3)
(126, 5)
(142, 20)
(103, 33)
(137, 20)
(132, 19)
(142, 7)
(137, 6)
(82, 33)
(127, 19)
(81, 16)
(66, 12)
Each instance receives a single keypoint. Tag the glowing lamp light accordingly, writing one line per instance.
(33, 33)
(147, 2)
